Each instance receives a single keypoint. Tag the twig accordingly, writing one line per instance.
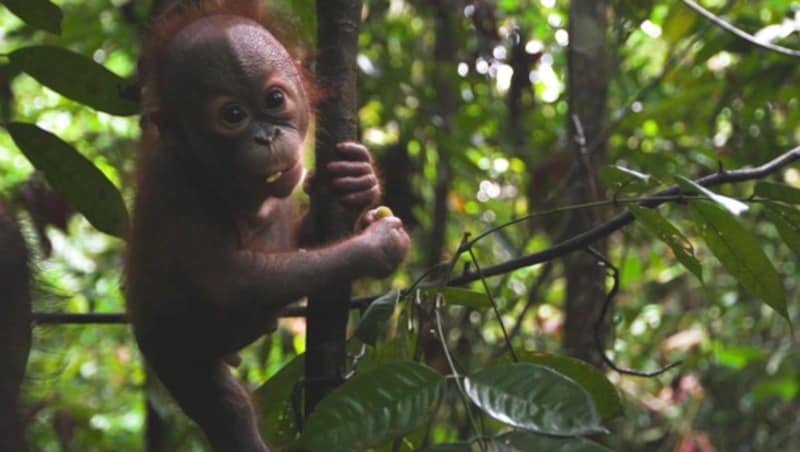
(456, 375)
(598, 324)
(577, 242)
(357, 360)
(585, 239)
(46, 318)
(494, 306)
(533, 291)
(727, 26)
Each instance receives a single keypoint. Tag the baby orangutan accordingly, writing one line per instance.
(213, 255)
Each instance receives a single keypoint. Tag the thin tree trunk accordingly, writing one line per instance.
(338, 22)
(445, 56)
(15, 329)
(588, 89)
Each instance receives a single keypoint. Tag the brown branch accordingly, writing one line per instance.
(47, 318)
(114, 318)
(613, 272)
(337, 121)
(578, 242)
(585, 239)
(738, 32)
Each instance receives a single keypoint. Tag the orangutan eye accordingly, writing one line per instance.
(232, 115)
(275, 99)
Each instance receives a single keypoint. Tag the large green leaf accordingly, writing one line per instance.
(535, 398)
(787, 221)
(75, 76)
(777, 192)
(374, 407)
(37, 13)
(740, 253)
(74, 176)
(522, 441)
(605, 395)
(373, 321)
(657, 225)
(274, 399)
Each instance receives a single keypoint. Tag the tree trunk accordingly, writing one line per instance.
(338, 22)
(15, 329)
(588, 90)
(445, 56)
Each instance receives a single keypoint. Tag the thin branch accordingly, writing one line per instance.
(456, 375)
(585, 239)
(533, 298)
(575, 243)
(494, 306)
(358, 357)
(727, 26)
(598, 324)
(47, 318)
(54, 318)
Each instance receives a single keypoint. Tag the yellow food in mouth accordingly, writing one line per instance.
(273, 177)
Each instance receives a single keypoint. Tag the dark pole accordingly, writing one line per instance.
(338, 22)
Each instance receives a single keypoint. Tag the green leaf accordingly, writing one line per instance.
(733, 206)
(75, 76)
(460, 297)
(522, 441)
(535, 398)
(787, 221)
(274, 398)
(621, 179)
(740, 253)
(603, 393)
(777, 192)
(374, 407)
(373, 321)
(659, 226)
(74, 176)
(40, 14)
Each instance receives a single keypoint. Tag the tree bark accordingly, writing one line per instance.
(15, 329)
(338, 23)
(445, 57)
(588, 90)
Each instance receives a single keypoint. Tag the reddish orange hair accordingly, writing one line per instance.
(180, 14)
